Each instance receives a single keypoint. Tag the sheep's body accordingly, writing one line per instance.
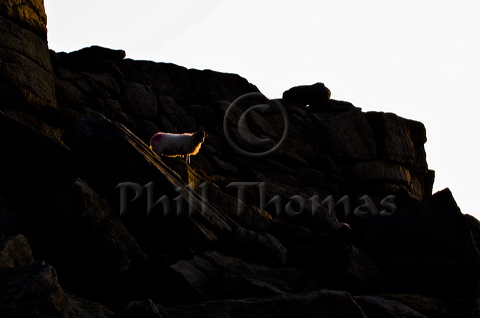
(174, 145)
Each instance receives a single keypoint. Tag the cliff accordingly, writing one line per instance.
(337, 219)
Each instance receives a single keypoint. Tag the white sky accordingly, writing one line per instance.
(419, 59)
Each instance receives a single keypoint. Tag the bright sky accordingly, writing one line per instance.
(418, 59)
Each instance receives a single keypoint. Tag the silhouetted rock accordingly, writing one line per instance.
(307, 94)
(426, 246)
(98, 52)
(399, 140)
(342, 206)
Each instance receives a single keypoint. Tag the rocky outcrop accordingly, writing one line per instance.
(287, 210)
(25, 68)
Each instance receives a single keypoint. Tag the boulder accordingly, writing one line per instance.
(15, 252)
(99, 52)
(307, 94)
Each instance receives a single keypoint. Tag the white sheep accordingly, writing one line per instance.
(174, 145)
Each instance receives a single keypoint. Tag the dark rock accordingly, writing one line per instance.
(331, 105)
(326, 303)
(87, 309)
(380, 172)
(345, 269)
(432, 307)
(23, 50)
(32, 291)
(112, 155)
(307, 94)
(399, 140)
(141, 99)
(145, 130)
(378, 307)
(29, 15)
(175, 114)
(33, 165)
(8, 218)
(197, 285)
(88, 115)
(98, 52)
(211, 86)
(350, 128)
(81, 236)
(476, 309)
(164, 79)
(140, 309)
(358, 271)
(242, 280)
(426, 246)
(262, 246)
(474, 226)
(15, 252)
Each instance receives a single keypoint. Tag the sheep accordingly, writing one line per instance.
(174, 145)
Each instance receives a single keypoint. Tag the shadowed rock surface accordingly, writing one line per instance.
(338, 221)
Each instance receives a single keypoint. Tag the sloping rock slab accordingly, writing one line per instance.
(322, 303)
(378, 307)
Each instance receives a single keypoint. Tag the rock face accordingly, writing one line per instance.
(338, 220)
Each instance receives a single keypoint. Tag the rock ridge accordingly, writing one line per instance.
(339, 220)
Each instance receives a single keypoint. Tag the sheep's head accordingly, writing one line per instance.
(199, 136)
